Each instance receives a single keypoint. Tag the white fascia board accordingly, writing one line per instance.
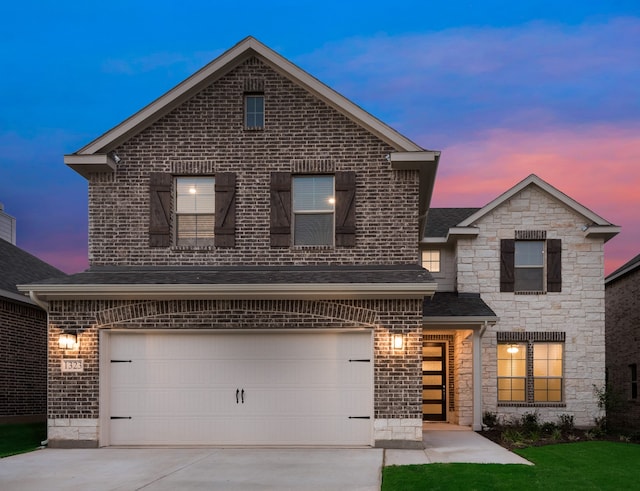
(462, 232)
(86, 164)
(602, 232)
(617, 274)
(434, 240)
(413, 160)
(221, 65)
(323, 291)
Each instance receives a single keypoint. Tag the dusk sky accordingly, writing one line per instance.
(504, 89)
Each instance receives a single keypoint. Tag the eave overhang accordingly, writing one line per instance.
(460, 320)
(604, 232)
(266, 291)
(93, 163)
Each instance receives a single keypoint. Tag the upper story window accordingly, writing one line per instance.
(431, 260)
(195, 211)
(254, 111)
(530, 263)
(313, 210)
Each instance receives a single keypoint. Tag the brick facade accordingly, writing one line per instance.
(623, 346)
(205, 135)
(577, 311)
(23, 372)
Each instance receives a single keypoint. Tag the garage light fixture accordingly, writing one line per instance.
(68, 340)
(397, 341)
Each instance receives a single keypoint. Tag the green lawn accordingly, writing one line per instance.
(20, 438)
(583, 466)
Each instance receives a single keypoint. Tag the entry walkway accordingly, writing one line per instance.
(445, 443)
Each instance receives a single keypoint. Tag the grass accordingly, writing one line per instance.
(584, 466)
(20, 438)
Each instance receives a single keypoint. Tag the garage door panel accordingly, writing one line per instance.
(299, 388)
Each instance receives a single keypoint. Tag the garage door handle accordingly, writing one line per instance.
(237, 393)
(242, 395)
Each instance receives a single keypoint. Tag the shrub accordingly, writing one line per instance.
(548, 427)
(489, 419)
(566, 423)
(530, 421)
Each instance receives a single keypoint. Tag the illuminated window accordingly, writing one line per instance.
(313, 210)
(530, 372)
(431, 260)
(195, 211)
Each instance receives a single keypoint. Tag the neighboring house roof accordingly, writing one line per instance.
(626, 268)
(455, 307)
(254, 282)
(594, 227)
(440, 220)
(18, 267)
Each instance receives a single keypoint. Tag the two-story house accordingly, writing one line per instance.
(254, 242)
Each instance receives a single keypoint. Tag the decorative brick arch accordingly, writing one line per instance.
(343, 312)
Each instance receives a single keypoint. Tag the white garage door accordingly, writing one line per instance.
(270, 388)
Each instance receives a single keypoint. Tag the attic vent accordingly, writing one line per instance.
(311, 166)
(253, 85)
(531, 235)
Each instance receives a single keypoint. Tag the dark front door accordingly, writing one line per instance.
(434, 376)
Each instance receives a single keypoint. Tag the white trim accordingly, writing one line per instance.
(262, 291)
(533, 179)
(222, 65)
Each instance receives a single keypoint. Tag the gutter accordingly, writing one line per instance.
(41, 303)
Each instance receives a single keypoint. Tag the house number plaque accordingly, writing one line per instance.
(72, 366)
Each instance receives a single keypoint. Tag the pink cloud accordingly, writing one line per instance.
(595, 165)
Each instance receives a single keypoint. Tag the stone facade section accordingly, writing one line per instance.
(206, 135)
(23, 372)
(578, 310)
(623, 347)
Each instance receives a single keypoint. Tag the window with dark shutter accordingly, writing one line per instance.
(160, 209)
(507, 257)
(280, 223)
(225, 202)
(345, 208)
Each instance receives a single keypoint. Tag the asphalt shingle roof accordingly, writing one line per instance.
(453, 304)
(440, 220)
(19, 267)
(186, 275)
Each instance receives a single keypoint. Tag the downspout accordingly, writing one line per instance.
(44, 306)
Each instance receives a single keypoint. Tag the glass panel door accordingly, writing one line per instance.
(434, 382)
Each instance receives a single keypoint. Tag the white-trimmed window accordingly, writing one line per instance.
(254, 111)
(313, 210)
(431, 260)
(530, 372)
(529, 265)
(195, 210)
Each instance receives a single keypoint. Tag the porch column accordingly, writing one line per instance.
(477, 380)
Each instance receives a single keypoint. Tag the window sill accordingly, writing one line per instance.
(201, 248)
(313, 247)
(532, 404)
(254, 128)
(533, 292)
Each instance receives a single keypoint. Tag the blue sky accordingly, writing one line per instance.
(503, 89)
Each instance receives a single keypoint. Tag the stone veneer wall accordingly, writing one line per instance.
(623, 346)
(74, 410)
(206, 135)
(577, 311)
(23, 372)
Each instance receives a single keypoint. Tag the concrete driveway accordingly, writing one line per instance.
(185, 469)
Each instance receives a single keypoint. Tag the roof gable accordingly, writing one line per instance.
(626, 268)
(96, 153)
(596, 226)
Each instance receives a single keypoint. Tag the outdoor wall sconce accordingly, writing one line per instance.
(513, 349)
(68, 340)
(397, 341)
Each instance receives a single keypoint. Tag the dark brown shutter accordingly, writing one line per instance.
(225, 229)
(507, 258)
(345, 183)
(160, 209)
(280, 209)
(554, 265)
